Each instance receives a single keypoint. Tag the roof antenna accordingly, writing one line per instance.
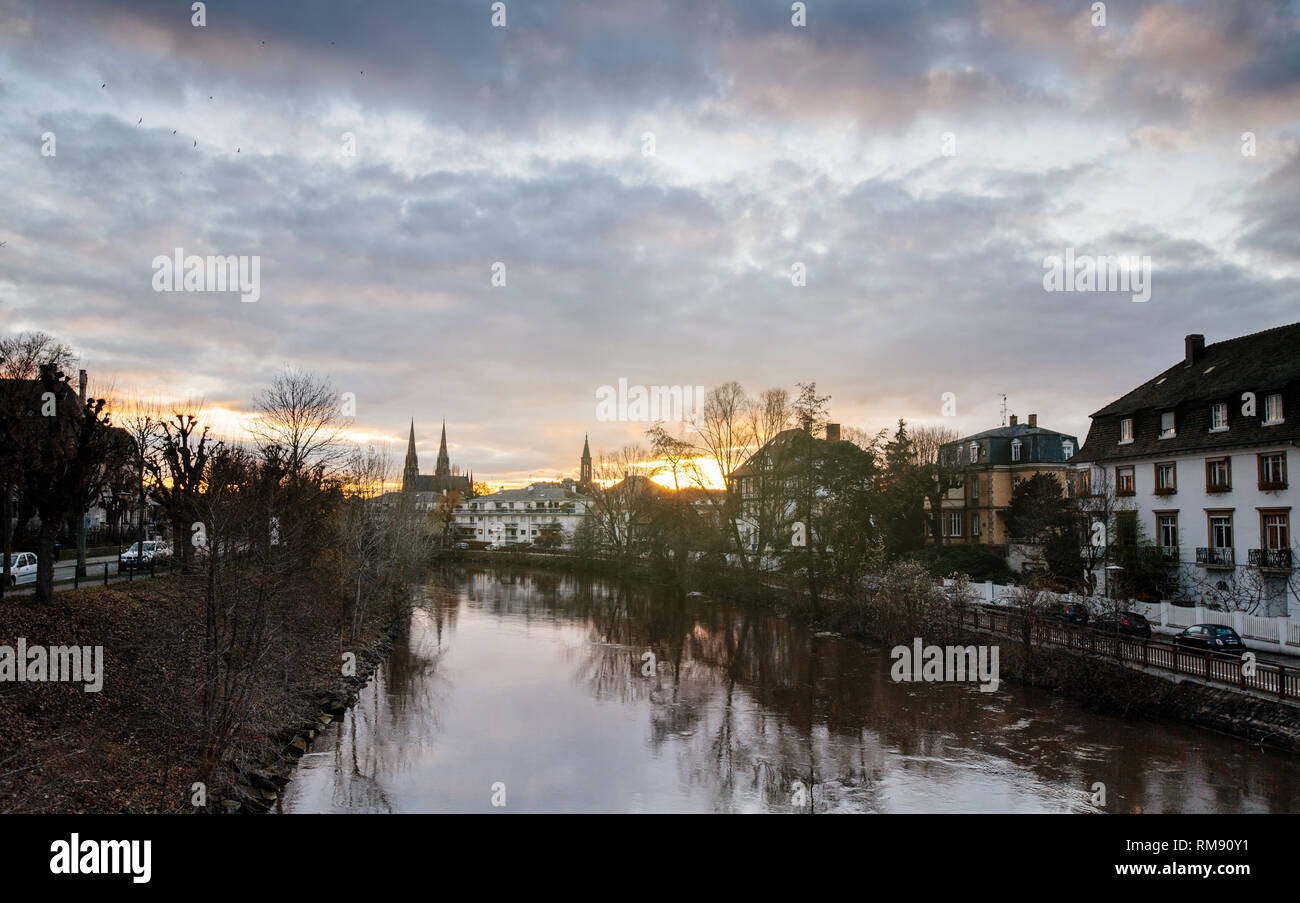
(1004, 408)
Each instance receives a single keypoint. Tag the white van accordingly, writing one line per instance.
(22, 568)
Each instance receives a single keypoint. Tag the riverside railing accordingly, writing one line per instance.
(1214, 667)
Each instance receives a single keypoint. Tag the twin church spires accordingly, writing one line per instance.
(442, 479)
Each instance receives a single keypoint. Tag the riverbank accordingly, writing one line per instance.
(135, 744)
(1090, 681)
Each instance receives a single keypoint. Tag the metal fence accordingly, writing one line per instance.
(1267, 677)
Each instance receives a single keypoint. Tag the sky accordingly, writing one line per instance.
(645, 177)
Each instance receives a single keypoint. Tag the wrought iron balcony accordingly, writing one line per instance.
(1271, 559)
(1216, 558)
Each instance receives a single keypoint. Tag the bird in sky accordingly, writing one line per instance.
(104, 85)
(140, 120)
(173, 131)
(196, 142)
(3, 243)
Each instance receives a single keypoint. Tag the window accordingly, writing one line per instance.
(1124, 481)
(974, 525)
(1067, 448)
(1221, 530)
(1015, 483)
(1015, 449)
(1167, 531)
(975, 489)
(1167, 430)
(1272, 470)
(974, 452)
(1273, 409)
(1218, 475)
(1219, 417)
(1126, 430)
(1166, 478)
(954, 523)
(1275, 529)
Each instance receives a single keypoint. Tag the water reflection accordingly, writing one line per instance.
(536, 681)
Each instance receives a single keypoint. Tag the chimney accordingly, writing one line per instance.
(1195, 347)
(1013, 419)
(81, 381)
(1033, 420)
(832, 432)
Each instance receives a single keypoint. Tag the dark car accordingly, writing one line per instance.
(1128, 623)
(1069, 612)
(1214, 637)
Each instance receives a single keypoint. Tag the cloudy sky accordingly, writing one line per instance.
(648, 173)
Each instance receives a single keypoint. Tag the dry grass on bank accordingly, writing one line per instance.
(134, 746)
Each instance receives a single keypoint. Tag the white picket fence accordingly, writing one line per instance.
(1280, 634)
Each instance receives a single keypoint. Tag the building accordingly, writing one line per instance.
(546, 513)
(428, 489)
(1200, 455)
(543, 513)
(989, 467)
(768, 485)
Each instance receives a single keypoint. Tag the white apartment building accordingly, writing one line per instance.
(523, 516)
(1202, 455)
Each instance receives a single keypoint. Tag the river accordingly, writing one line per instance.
(528, 692)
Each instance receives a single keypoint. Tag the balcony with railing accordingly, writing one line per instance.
(1216, 558)
(1270, 559)
(1168, 554)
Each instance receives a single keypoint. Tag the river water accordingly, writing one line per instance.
(530, 690)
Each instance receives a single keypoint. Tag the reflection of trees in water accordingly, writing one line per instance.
(397, 715)
(751, 703)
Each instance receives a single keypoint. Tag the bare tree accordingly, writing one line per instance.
(66, 446)
(21, 358)
(939, 472)
(299, 412)
(727, 438)
(364, 523)
(618, 500)
(177, 473)
(141, 420)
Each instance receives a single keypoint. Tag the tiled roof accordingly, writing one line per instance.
(1262, 363)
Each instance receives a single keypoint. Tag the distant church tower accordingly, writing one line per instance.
(585, 473)
(444, 462)
(411, 472)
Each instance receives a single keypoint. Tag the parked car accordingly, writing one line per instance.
(1215, 637)
(1069, 612)
(1130, 623)
(461, 545)
(22, 568)
(145, 552)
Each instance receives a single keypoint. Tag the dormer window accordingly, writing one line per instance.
(1273, 409)
(1126, 431)
(1167, 428)
(1015, 449)
(1219, 417)
(1067, 448)
(974, 452)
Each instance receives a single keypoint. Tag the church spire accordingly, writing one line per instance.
(444, 462)
(585, 471)
(411, 471)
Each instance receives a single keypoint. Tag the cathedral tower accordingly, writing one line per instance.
(443, 468)
(585, 470)
(411, 472)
